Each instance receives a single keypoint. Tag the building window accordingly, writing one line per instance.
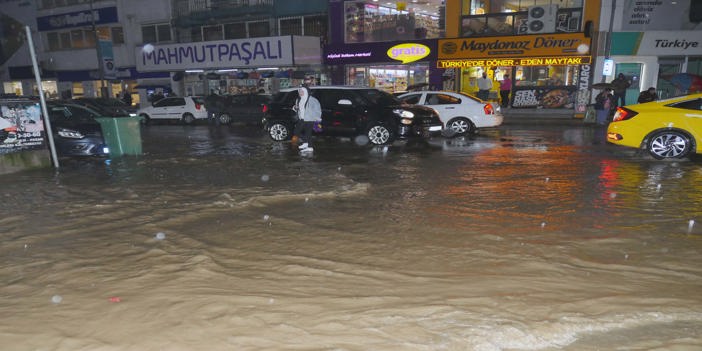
(156, 33)
(259, 29)
(315, 26)
(235, 30)
(291, 26)
(117, 35)
(53, 39)
(65, 40)
(211, 33)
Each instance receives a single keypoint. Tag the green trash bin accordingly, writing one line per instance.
(122, 135)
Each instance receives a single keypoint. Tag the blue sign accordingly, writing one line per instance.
(78, 19)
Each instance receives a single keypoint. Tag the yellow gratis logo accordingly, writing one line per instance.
(409, 52)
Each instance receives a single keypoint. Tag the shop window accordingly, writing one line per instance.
(235, 30)
(259, 29)
(499, 18)
(89, 36)
(78, 40)
(211, 33)
(104, 33)
(370, 22)
(291, 26)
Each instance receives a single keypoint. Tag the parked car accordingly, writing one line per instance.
(667, 129)
(186, 109)
(461, 113)
(244, 108)
(351, 111)
(75, 130)
(108, 107)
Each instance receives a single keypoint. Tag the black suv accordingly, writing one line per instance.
(243, 108)
(351, 111)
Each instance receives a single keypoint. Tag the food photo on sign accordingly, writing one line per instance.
(561, 97)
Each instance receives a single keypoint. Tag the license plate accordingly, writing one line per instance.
(435, 128)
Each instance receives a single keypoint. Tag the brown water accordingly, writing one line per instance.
(526, 238)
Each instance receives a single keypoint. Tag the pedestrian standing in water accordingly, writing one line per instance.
(620, 85)
(505, 89)
(604, 103)
(309, 112)
(484, 86)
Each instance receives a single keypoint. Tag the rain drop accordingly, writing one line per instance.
(626, 256)
(612, 195)
(160, 236)
(658, 187)
(307, 199)
(543, 224)
(266, 218)
(547, 179)
(56, 299)
(690, 224)
(265, 178)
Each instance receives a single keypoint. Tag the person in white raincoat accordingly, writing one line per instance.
(309, 112)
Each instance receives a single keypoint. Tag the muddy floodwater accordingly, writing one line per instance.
(523, 238)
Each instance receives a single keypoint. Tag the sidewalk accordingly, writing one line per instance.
(541, 116)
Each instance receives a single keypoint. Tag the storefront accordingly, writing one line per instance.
(238, 66)
(670, 61)
(390, 66)
(547, 71)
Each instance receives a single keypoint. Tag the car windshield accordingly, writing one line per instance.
(379, 97)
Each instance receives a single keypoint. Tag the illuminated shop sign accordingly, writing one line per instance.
(409, 52)
(78, 19)
(516, 61)
(514, 46)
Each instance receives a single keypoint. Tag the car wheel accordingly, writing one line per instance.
(145, 119)
(188, 118)
(461, 126)
(225, 118)
(279, 132)
(379, 134)
(669, 144)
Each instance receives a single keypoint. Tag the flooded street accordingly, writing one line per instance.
(217, 238)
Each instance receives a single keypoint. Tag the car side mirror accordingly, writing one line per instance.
(346, 102)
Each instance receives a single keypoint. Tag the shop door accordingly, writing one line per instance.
(666, 70)
(632, 71)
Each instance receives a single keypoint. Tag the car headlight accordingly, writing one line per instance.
(70, 133)
(403, 113)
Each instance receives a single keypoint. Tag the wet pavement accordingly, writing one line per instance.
(532, 236)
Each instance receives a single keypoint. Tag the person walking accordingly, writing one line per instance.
(484, 86)
(648, 95)
(604, 103)
(309, 112)
(212, 105)
(505, 89)
(619, 85)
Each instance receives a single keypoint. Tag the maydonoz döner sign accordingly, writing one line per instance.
(253, 52)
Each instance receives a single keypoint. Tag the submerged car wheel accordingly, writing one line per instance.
(225, 118)
(279, 132)
(461, 126)
(669, 144)
(379, 134)
(188, 118)
(145, 119)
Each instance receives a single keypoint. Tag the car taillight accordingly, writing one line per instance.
(197, 107)
(623, 114)
(265, 108)
(489, 110)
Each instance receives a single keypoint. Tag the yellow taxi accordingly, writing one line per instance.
(667, 129)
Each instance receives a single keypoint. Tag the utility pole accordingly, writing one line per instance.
(98, 49)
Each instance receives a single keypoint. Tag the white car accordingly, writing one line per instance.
(460, 113)
(186, 109)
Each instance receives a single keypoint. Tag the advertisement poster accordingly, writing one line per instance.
(21, 127)
(544, 97)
